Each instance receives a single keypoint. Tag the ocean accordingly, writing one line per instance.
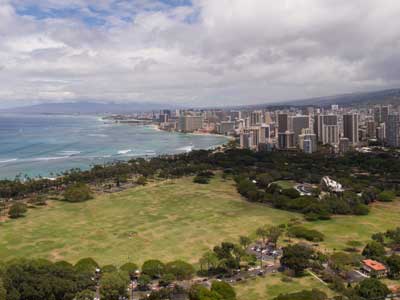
(46, 145)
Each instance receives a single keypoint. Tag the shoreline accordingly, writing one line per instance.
(228, 137)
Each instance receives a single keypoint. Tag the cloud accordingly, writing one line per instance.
(196, 52)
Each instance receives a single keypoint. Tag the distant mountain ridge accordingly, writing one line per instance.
(390, 96)
(375, 97)
(88, 108)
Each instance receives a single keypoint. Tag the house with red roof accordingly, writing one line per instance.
(373, 267)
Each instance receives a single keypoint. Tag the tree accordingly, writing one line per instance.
(225, 290)
(113, 286)
(273, 233)
(3, 291)
(17, 210)
(244, 241)
(264, 180)
(78, 192)
(209, 259)
(297, 258)
(85, 295)
(166, 279)
(143, 282)
(393, 263)
(130, 268)
(262, 232)
(374, 250)
(88, 265)
(180, 269)
(372, 288)
(154, 268)
(109, 269)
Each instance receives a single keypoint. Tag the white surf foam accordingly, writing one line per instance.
(8, 160)
(122, 152)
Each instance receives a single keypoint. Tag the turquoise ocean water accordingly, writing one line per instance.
(46, 145)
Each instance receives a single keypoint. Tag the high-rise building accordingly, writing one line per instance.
(189, 123)
(320, 121)
(286, 140)
(344, 145)
(298, 123)
(308, 141)
(256, 118)
(225, 127)
(350, 128)
(330, 134)
(265, 134)
(385, 112)
(381, 132)
(371, 129)
(235, 115)
(377, 114)
(283, 123)
(393, 130)
(267, 117)
(246, 140)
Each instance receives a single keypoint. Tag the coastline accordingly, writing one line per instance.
(228, 137)
(87, 142)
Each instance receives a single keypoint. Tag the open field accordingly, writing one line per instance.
(342, 229)
(272, 285)
(165, 220)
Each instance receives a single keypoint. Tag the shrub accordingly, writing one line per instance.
(141, 180)
(17, 210)
(78, 192)
(386, 196)
(225, 290)
(201, 179)
(307, 234)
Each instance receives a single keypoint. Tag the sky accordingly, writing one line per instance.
(195, 52)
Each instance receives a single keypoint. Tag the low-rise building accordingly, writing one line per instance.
(373, 267)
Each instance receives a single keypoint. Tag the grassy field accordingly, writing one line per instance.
(166, 220)
(342, 229)
(271, 286)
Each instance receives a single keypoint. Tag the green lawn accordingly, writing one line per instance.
(166, 220)
(285, 184)
(272, 285)
(342, 229)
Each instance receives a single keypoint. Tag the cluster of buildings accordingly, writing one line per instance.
(304, 129)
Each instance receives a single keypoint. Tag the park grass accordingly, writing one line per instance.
(272, 286)
(285, 184)
(342, 229)
(165, 220)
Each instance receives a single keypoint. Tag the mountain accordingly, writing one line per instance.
(391, 96)
(88, 108)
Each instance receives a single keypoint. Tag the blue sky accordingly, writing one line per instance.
(92, 13)
(199, 52)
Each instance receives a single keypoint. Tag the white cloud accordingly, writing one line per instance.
(225, 51)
